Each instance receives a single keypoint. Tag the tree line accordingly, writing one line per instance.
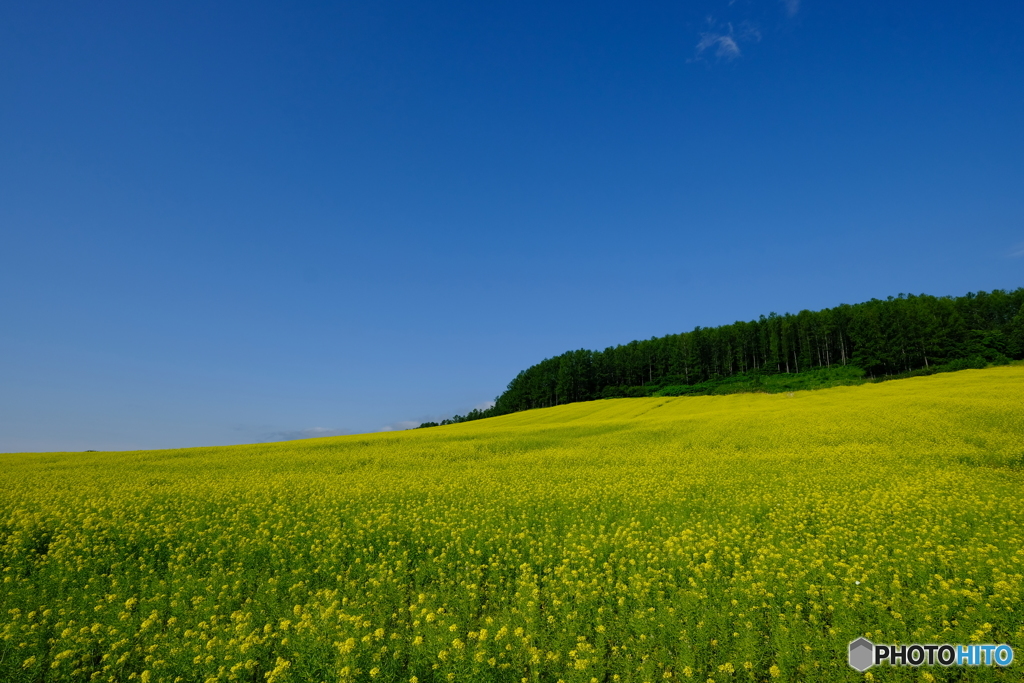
(895, 336)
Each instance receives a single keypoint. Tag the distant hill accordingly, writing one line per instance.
(848, 344)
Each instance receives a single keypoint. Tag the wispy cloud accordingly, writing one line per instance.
(724, 46)
(1017, 250)
(726, 36)
(722, 41)
(484, 406)
(400, 426)
(311, 433)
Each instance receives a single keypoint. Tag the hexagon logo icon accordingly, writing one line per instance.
(862, 654)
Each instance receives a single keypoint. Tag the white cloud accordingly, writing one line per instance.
(724, 46)
(724, 41)
(727, 48)
(1017, 250)
(399, 426)
(484, 406)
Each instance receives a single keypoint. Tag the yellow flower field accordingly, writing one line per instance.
(714, 539)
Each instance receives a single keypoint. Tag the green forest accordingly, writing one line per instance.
(879, 339)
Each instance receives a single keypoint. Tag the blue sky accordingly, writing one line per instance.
(239, 222)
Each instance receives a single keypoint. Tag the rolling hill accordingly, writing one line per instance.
(713, 538)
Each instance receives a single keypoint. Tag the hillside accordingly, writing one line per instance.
(725, 538)
(896, 337)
